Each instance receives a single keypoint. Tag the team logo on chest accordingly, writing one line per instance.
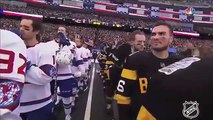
(190, 109)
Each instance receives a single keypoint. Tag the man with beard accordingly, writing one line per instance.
(138, 71)
(181, 90)
(117, 57)
(136, 43)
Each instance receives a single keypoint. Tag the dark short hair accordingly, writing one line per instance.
(66, 29)
(36, 23)
(164, 24)
(136, 32)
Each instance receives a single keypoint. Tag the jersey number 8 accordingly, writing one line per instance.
(143, 82)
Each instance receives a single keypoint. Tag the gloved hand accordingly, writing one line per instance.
(77, 74)
(63, 39)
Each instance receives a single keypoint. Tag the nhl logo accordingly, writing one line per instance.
(190, 109)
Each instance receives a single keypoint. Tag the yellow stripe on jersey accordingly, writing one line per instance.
(109, 63)
(122, 99)
(144, 114)
(129, 74)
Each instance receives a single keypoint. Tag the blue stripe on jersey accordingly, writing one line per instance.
(66, 74)
(80, 62)
(35, 101)
(27, 83)
(85, 59)
(74, 62)
(67, 106)
(77, 62)
(49, 70)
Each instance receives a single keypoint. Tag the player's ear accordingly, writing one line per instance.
(37, 32)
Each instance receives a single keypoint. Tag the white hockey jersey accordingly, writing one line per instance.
(89, 55)
(12, 71)
(85, 56)
(78, 64)
(36, 92)
(63, 71)
(72, 45)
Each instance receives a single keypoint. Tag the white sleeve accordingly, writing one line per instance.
(40, 75)
(89, 56)
(45, 69)
(82, 69)
(84, 53)
(79, 61)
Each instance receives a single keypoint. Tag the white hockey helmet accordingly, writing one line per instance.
(64, 57)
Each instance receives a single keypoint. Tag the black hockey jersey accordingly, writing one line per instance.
(181, 91)
(135, 77)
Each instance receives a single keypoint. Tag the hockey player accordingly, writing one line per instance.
(181, 90)
(66, 82)
(72, 46)
(81, 51)
(88, 56)
(36, 102)
(136, 43)
(138, 71)
(12, 70)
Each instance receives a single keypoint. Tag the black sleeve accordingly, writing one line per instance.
(114, 76)
(124, 112)
(121, 53)
(125, 86)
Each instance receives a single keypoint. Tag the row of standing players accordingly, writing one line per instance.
(26, 91)
(157, 85)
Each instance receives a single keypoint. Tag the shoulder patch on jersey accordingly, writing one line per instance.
(49, 70)
(182, 64)
(10, 92)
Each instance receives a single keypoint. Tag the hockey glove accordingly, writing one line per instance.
(63, 39)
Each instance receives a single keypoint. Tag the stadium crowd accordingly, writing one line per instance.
(136, 22)
(99, 35)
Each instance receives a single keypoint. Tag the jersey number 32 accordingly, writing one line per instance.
(7, 59)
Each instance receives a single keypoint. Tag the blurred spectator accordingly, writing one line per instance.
(102, 36)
